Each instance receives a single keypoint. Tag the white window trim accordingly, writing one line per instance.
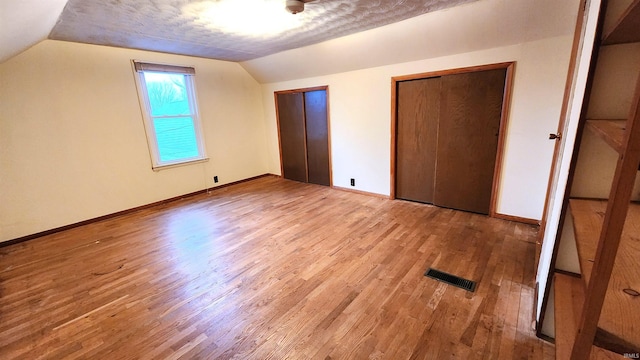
(139, 68)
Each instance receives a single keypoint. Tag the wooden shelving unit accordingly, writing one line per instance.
(611, 131)
(569, 293)
(588, 214)
(626, 29)
(620, 317)
(597, 316)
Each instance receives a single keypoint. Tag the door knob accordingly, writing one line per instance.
(555, 136)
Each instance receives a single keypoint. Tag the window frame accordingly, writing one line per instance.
(139, 68)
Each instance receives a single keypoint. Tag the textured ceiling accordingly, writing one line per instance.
(179, 26)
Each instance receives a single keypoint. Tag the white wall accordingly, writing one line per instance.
(360, 119)
(72, 141)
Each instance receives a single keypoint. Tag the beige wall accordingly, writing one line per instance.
(72, 141)
(360, 119)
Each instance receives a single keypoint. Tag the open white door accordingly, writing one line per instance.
(565, 141)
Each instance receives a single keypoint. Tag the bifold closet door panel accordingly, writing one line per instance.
(470, 112)
(418, 108)
(292, 138)
(317, 137)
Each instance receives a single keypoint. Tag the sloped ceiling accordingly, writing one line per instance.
(198, 28)
(24, 23)
(476, 26)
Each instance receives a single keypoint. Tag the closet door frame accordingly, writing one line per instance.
(304, 90)
(506, 102)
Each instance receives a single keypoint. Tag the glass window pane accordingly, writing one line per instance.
(171, 119)
(176, 138)
(167, 94)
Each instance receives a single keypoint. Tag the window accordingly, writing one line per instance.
(167, 96)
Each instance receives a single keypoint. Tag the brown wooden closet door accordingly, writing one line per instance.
(317, 137)
(470, 112)
(292, 138)
(418, 108)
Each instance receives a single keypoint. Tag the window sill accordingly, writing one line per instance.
(157, 168)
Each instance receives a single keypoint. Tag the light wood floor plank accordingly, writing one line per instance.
(273, 269)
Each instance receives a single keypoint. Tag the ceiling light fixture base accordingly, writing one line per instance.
(295, 6)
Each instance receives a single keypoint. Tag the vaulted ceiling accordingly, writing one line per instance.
(235, 30)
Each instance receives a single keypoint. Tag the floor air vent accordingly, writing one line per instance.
(451, 279)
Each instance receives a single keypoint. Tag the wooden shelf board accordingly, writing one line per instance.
(627, 28)
(602, 354)
(568, 299)
(587, 223)
(569, 296)
(611, 131)
(619, 324)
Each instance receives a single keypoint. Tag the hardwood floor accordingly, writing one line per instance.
(273, 269)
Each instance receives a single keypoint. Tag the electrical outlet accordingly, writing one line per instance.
(353, 182)
(215, 179)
